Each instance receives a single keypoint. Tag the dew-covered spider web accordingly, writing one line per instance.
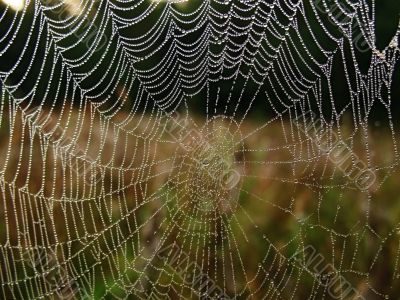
(199, 149)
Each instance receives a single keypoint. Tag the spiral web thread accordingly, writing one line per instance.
(100, 200)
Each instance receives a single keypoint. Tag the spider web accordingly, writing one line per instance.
(111, 184)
